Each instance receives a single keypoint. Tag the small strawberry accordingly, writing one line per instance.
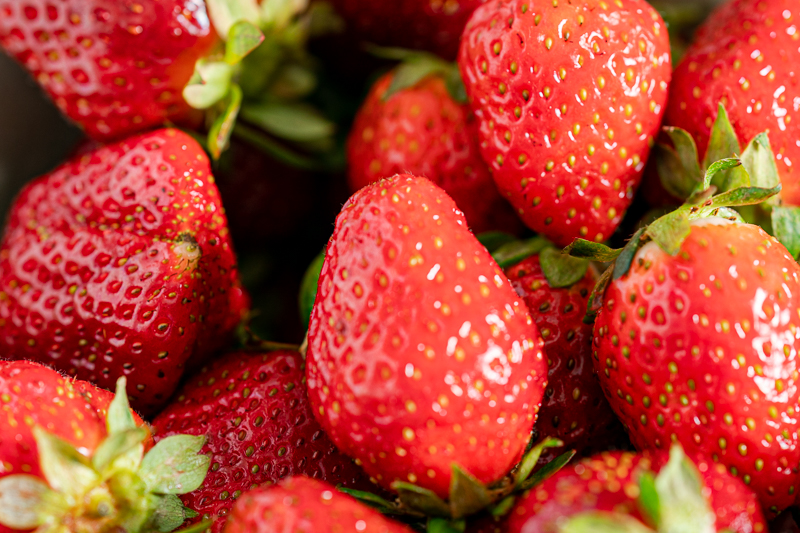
(422, 360)
(69, 466)
(574, 409)
(114, 67)
(636, 493)
(119, 263)
(303, 505)
(419, 24)
(569, 96)
(417, 126)
(253, 407)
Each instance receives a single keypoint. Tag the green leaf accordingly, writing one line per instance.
(718, 167)
(467, 494)
(786, 226)
(64, 467)
(493, 240)
(455, 86)
(442, 525)
(530, 459)
(225, 13)
(503, 507)
(603, 522)
(723, 142)
(117, 445)
(593, 251)
(21, 497)
(742, 196)
(759, 161)
(209, 84)
(169, 513)
(680, 494)
(420, 499)
(308, 288)
(373, 500)
(560, 269)
(219, 135)
(515, 252)
(548, 470)
(625, 259)
(173, 466)
(595, 303)
(679, 168)
(120, 417)
(269, 146)
(243, 38)
(294, 122)
(413, 71)
(648, 500)
(671, 230)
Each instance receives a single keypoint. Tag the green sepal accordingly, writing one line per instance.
(226, 13)
(368, 498)
(420, 499)
(560, 269)
(493, 240)
(530, 459)
(467, 494)
(503, 507)
(293, 122)
(678, 167)
(120, 417)
(723, 142)
(758, 160)
(209, 84)
(21, 497)
(67, 470)
(603, 522)
(118, 444)
(173, 466)
(169, 513)
(593, 251)
(416, 66)
(717, 168)
(671, 230)
(515, 252)
(274, 149)
(648, 501)
(308, 288)
(625, 259)
(243, 38)
(219, 135)
(595, 303)
(277, 14)
(680, 496)
(197, 528)
(548, 470)
(442, 525)
(786, 228)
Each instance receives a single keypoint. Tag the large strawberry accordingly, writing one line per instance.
(303, 505)
(254, 409)
(71, 466)
(422, 360)
(418, 126)
(119, 263)
(569, 96)
(113, 66)
(574, 409)
(421, 24)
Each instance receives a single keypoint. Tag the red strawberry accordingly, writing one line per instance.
(254, 409)
(305, 505)
(423, 130)
(612, 483)
(574, 409)
(113, 66)
(420, 354)
(421, 24)
(57, 446)
(120, 263)
(745, 56)
(700, 347)
(569, 96)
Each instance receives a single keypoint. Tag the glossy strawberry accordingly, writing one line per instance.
(574, 409)
(254, 409)
(120, 263)
(420, 24)
(746, 57)
(611, 483)
(422, 130)
(113, 66)
(420, 354)
(304, 505)
(701, 348)
(569, 96)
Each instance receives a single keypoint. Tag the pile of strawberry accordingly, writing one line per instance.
(632, 366)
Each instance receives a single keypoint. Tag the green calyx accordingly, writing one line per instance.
(308, 288)
(468, 496)
(670, 502)
(560, 269)
(119, 489)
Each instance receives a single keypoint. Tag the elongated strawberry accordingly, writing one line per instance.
(420, 354)
(254, 409)
(304, 505)
(421, 129)
(569, 96)
(119, 263)
(69, 466)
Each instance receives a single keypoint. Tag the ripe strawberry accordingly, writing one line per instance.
(569, 96)
(423, 130)
(701, 348)
(114, 67)
(304, 505)
(712, 499)
(420, 354)
(574, 409)
(419, 24)
(254, 409)
(744, 57)
(120, 263)
(88, 464)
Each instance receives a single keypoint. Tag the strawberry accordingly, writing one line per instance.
(422, 360)
(419, 24)
(114, 67)
(569, 96)
(82, 450)
(422, 129)
(304, 505)
(120, 263)
(574, 409)
(618, 488)
(254, 409)
(744, 57)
